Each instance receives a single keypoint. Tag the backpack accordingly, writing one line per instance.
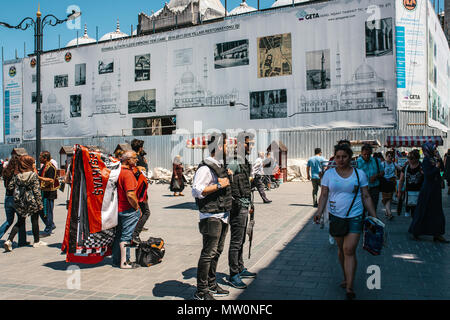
(24, 201)
(150, 252)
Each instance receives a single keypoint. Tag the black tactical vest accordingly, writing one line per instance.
(219, 201)
(240, 186)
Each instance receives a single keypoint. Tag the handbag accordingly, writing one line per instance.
(374, 235)
(339, 226)
(412, 198)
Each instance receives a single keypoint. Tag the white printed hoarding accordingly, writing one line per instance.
(318, 66)
(438, 73)
(411, 53)
(12, 94)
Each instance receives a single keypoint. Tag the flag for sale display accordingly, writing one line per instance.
(93, 208)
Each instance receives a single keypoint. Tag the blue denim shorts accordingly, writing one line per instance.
(355, 224)
(127, 222)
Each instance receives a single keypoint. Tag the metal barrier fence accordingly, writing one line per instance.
(301, 144)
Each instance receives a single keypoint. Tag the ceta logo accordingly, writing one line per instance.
(12, 72)
(410, 4)
(68, 57)
(303, 15)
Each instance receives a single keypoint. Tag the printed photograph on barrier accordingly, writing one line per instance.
(318, 70)
(274, 56)
(80, 74)
(75, 106)
(106, 66)
(142, 101)
(231, 54)
(142, 67)
(183, 57)
(268, 104)
(61, 81)
(379, 37)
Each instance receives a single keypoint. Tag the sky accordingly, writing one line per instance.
(99, 13)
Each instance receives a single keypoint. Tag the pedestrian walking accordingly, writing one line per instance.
(372, 168)
(27, 199)
(177, 180)
(428, 216)
(241, 193)
(9, 172)
(129, 212)
(314, 170)
(388, 183)
(212, 192)
(447, 170)
(345, 192)
(49, 185)
(410, 183)
(258, 174)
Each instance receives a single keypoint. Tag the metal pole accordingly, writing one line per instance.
(38, 35)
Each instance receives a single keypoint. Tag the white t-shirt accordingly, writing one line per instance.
(341, 192)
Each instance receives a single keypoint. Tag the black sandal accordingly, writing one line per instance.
(350, 295)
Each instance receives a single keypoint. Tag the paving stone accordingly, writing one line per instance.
(291, 256)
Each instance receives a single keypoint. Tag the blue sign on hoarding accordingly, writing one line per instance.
(401, 60)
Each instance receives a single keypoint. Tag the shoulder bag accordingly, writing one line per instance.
(339, 227)
(411, 196)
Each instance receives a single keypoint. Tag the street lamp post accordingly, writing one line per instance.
(39, 25)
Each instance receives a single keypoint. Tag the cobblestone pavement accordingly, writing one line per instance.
(291, 255)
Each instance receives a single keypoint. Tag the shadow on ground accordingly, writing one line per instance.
(183, 206)
(307, 267)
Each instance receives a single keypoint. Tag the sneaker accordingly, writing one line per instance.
(45, 235)
(331, 240)
(247, 274)
(203, 296)
(39, 244)
(236, 282)
(8, 245)
(217, 291)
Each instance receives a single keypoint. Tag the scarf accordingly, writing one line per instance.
(93, 207)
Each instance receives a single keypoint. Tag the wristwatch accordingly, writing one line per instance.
(219, 186)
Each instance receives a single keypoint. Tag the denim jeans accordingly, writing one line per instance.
(49, 203)
(214, 231)
(126, 224)
(10, 211)
(238, 226)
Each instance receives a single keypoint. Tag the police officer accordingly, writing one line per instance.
(212, 192)
(241, 192)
